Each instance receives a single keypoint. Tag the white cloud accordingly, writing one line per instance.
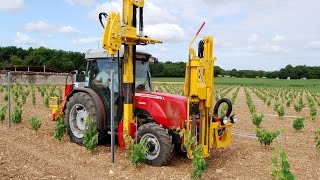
(87, 40)
(156, 14)
(163, 49)
(267, 47)
(278, 38)
(80, 2)
(68, 29)
(107, 7)
(40, 26)
(223, 44)
(273, 48)
(142, 48)
(11, 5)
(313, 44)
(254, 38)
(24, 39)
(44, 27)
(261, 45)
(153, 13)
(165, 32)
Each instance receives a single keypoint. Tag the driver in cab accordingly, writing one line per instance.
(103, 78)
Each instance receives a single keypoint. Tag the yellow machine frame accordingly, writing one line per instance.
(199, 89)
(198, 80)
(115, 34)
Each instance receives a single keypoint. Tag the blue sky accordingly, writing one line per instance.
(249, 34)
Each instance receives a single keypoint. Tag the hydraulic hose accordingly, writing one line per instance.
(223, 100)
(100, 18)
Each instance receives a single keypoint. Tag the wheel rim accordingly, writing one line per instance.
(77, 120)
(153, 146)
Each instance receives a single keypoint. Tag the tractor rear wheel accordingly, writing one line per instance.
(78, 107)
(159, 143)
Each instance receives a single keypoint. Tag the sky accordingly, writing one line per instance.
(249, 34)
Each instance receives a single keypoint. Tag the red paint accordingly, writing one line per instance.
(200, 28)
(67, 90)
(166, 109)
(121, 141)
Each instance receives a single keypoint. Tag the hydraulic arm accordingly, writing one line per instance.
(117, 34)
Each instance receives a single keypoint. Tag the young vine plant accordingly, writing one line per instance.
(266, 137)
(317, 138)
(298, 123)
(59, 129)
(199, 164)
(90, 136)
(280, 166)
(35, 123)
(137, 152)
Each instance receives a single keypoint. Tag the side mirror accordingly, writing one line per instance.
(80, 77)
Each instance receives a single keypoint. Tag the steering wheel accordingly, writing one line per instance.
(141, 86)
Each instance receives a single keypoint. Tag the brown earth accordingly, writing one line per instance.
(25, 154)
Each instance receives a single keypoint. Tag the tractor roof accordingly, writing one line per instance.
(100, 53)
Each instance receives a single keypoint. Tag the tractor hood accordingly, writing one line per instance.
(169, 110)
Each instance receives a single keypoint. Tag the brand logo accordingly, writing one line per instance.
(149, 96)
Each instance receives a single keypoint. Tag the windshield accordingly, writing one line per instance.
(102, 73)
(142, 76)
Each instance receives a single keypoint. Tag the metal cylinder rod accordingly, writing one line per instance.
(194, 125)
(112, 115)
(9, 103)
(141, 21)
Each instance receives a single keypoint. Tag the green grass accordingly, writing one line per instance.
(167, 79)
(253, 81)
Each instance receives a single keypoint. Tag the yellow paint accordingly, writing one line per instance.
(128, 116)
(117, 34)
(54, 104)
(111, 39)
(201, 93)
(139, 3)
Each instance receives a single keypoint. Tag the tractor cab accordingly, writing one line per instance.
(98, 78)
(100, 64)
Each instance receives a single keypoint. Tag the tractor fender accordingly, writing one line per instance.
(154, 110)
(102, 124)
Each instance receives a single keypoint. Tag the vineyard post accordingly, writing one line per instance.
(112, 115)
(9, 86)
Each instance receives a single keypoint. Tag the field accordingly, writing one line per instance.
(26, 154)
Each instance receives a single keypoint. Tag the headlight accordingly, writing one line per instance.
(233, 118)
(224, 120)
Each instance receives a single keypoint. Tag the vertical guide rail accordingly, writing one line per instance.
(193, 102)
(9, 103)
(112, 115)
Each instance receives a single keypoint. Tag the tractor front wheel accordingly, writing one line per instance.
(159, 143)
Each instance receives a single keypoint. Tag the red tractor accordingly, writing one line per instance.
(155, 117)
(159, 116)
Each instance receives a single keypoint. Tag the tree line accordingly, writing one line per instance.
(68, 61)
(170, 69)
(58, 59)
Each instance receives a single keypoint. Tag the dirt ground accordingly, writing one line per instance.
(25, 154)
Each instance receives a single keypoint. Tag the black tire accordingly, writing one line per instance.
(85, 103)
(155, 134)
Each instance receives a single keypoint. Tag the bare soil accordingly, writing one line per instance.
(25, 154)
